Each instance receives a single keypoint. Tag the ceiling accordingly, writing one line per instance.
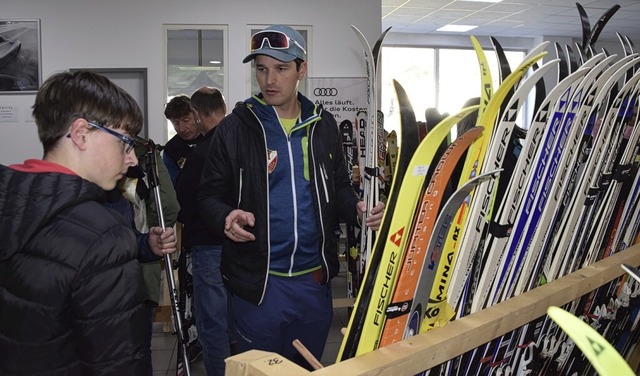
(511, 18)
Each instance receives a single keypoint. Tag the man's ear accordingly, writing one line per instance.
(302, 71)
(78, 133)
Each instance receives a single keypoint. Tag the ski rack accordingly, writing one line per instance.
(425, 351)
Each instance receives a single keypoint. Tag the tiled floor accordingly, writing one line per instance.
(164, 354)
(164, 345)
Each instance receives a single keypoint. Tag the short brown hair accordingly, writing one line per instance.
(178, 107)
(67, 96)
(208, 100)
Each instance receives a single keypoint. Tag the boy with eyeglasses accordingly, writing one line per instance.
(71, 290)
(275, 186)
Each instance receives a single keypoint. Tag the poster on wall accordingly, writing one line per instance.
(20, 70)
(343, 97)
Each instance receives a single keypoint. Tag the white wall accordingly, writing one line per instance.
(130, 34)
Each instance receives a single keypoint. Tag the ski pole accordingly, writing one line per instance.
(168, 265)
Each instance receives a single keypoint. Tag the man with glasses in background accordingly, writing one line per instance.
(71, 290)
(275, 186)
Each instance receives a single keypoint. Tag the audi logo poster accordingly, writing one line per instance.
(342, 96)
(325, 92)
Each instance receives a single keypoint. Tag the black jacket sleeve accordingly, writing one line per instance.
(345, 194)
(217, 182)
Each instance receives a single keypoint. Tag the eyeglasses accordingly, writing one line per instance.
(277, 40)
(128, 142)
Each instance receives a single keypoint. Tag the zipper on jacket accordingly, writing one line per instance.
(325, 177)
(266, 173)
(268, 203)
(295, 205)
(240, 187)
(313, 163)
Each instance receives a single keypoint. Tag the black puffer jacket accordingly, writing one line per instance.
(71, 289)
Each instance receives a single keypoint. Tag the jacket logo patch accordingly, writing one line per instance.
(272, 160)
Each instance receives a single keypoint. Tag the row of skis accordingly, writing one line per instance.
(503, 208)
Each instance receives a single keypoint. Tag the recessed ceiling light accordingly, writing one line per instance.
(457, 28)
(199, 68)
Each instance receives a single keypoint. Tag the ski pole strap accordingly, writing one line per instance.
(372, 171)
(498, 230)
(623, 172)
(605, 181)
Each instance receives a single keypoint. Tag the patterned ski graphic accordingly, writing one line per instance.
(434, 248)
(473, 165)
(399, 308)
(369, 170)
(410, 137)
(481, 207)
(401, 221)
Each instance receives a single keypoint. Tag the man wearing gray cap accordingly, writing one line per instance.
(275, 184)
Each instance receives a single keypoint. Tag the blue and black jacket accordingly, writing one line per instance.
(249, 167)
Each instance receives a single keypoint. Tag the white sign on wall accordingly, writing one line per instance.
(8, 114)
(342, 96)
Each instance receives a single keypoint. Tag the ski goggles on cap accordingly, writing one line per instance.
(277, 40)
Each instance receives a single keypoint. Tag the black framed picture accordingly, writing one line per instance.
(20, 56)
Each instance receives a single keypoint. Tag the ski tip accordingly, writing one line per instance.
(496, 172)
(358, 32)
(475, 41)
(399, 88)
(605, 358)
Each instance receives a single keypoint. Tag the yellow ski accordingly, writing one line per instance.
(604, 357)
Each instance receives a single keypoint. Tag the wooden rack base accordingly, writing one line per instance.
(425, 351)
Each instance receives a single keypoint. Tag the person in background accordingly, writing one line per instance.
(205, 248)
(275, 186)
(71, 289)
(175, 152)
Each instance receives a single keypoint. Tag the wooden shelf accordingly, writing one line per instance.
(427, 350)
